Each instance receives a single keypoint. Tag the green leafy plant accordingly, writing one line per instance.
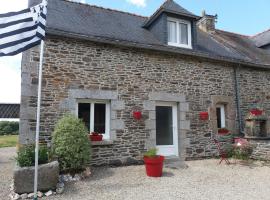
(26, 155)
(243, 151)
(70, 144)
(151, 152)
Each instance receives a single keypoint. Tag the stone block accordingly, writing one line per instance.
(152, 115)
(163, 96)
(184, 107)
(185, 125)
(92, 94)
(47, 178)
(182, 116)
(117, 105)
(117, 124)
(149, 105)
(150, 124)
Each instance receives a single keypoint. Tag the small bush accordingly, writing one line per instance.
(243, 152)
(9, 128)
(70, 144)
(26, 155)
(151, 153)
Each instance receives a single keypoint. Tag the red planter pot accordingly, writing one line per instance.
(256, 112)
(137, 115)
(96, 137)
(204, 115)
(154, 165)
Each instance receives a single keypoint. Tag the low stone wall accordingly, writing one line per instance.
(261, 149)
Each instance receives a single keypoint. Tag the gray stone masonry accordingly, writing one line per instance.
(133, 79)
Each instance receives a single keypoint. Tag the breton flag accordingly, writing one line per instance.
(22, 30)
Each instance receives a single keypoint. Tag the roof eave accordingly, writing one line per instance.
(160, 48)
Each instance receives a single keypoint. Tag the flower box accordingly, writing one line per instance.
(223, 131)
(95, 137)
(256, 112)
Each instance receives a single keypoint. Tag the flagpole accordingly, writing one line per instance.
(38, 118)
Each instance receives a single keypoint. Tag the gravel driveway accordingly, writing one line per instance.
(202, 180)
(6, 166)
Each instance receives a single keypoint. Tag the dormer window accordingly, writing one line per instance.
(179, 33)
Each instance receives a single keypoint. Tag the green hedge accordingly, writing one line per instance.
(9, 128)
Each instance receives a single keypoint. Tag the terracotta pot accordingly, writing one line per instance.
(96, 137)
(256, 112)
(154, 165)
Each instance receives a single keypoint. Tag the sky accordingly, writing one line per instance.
(246, 17)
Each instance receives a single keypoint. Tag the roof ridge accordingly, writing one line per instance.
(260, 33)
(233, 33)
(109, 9)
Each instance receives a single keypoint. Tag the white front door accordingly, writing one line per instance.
(166, 129)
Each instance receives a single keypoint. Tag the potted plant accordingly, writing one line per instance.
(94, 136)
(23, 173)
(153, 163)
(223, 131)
(256, 109)
(242, 149)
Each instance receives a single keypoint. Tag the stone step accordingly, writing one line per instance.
(174, 162)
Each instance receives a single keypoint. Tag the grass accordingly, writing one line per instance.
(8, 140)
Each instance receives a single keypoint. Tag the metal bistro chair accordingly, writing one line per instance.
(222, 152)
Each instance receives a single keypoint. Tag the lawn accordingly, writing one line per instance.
(8, 141)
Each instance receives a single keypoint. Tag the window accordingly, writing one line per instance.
(96, 116)
(179, 33)
(220, 110)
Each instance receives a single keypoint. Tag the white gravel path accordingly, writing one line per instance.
(202, 180)
(6, 167)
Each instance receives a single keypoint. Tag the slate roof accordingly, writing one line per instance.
(8, 111)
(94, 23)
(171, 7)
(262, 39)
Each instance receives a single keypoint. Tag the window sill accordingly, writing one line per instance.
(179, 45)
(102, 143)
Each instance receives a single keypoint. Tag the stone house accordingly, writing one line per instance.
(103, 64)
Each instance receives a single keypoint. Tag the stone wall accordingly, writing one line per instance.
(133, 75)
(254, 85)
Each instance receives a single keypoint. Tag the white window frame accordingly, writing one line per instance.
(222, 115)
(178, 44)
(106, 135)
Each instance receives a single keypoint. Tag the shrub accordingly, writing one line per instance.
(70, 144)
(9, 128)
(243, 151)
(26, 155)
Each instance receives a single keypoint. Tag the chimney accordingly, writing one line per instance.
(207, 22)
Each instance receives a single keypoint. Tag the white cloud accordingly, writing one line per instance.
(13, 5)
(10, 79)
(10, 76)
(139, 3)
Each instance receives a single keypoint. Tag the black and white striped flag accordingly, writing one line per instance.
(22, 30)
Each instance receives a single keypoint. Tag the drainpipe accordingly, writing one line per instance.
(237, 93)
